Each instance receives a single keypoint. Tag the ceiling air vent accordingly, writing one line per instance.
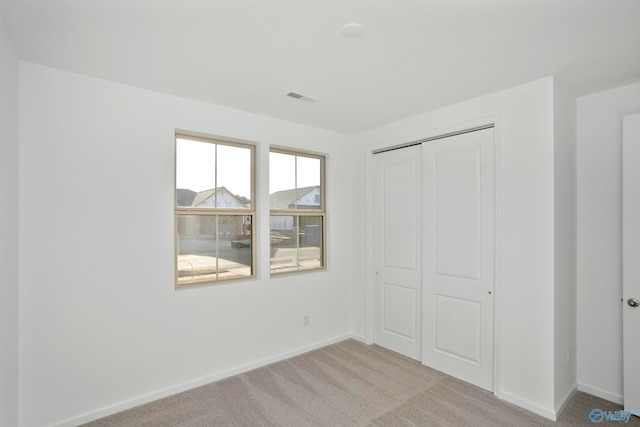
(301, 97)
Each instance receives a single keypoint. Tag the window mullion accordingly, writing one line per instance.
(295, 180)
(215, 177)
(217, 243)
(298, 242)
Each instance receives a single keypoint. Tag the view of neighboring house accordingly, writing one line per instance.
(220, 197)
(300, 198)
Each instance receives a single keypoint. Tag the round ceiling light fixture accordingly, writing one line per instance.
(352, 30)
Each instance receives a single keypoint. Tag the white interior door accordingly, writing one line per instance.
(458, 267)
(398, 237)
(630, 261)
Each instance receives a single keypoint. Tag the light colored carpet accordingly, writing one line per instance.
(347, 384)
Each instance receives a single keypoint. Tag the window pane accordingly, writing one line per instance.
(294, 182)
(308, 180)
(296, 243)
(213, 247)
(308, 171)
(234, 177)
(195, 171)
(282, 180)
(234, 246)
(308, 198)
(284, 244)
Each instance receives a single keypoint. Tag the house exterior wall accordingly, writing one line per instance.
(310, 200)
(281, 223)
(226, 228)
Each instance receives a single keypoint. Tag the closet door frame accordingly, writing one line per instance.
(494, 121)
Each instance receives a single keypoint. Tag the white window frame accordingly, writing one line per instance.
(322, 212)
(215, 211)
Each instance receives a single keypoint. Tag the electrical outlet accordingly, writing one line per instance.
(305, 320)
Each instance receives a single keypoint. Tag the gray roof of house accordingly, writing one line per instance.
(282, 199)
(184, 197)
(204, 195)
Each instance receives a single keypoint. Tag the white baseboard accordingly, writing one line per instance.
(602, 394)
(360, 338)
(565, 399)
(553, 415)
(529, 406)
(196, 382)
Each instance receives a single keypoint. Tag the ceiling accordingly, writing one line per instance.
(413, 56)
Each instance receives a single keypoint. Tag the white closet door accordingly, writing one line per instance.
(398, 232)
(458, 267)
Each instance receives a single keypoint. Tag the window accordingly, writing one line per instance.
(297, 207)
(214, 210)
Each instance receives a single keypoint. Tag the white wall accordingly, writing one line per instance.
(102, 327)
(8, 232)
(565, 244)
(361, 239)
(599, 254)
(525, 132)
